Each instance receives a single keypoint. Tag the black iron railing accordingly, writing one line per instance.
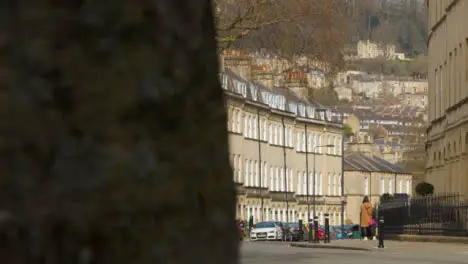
(444, 215)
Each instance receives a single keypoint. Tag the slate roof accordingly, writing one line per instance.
(283, 99)
(356, 161)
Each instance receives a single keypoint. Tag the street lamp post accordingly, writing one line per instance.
(319, 110)
(313, 179)
(285, 170)
(342, 177)
(307, 174)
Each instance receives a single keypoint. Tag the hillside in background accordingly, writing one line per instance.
(416, 68)
(399, 22)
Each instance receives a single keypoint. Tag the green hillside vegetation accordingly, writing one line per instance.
(414, 68)
(399, 22)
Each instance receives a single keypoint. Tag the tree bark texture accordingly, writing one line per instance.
(113, 144)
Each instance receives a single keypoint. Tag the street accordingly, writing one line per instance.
(275, 253)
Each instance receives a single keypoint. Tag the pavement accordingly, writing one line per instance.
(389, 246)
(394, 252)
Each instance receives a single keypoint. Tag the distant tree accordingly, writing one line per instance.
(347, 131)
(418, 67)
(326, 96)
(403, 23)
(424, 189)
(377, 131)
(314, 28)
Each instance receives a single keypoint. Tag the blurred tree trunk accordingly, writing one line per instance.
(113, 144)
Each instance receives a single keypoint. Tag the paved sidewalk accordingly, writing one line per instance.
(395, 252)
(390, 246)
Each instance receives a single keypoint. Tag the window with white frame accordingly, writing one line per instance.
(265, 174)
(261, 174)
(240, 166)
(299, 183)
(329, 181)
(298, 141)
(319, 150)
(340, 187)
(390, 186)
(239, 174)
(320, 184)
(278, 131)
(255, 128)
(311, 183)
(334, 184)
(277, 178)
(252, 127)
(286, 131)
(235, 168)
(304, 183)
(366, 185)
(271, 133)
(408, 186)
(272, 178)
(333, 150)
(265, 125)
(286, 135)
(232, 160)
(232, 119)
(339, 146)
(246, 126)
(382, 186)
(291, 180)
(315, 180)
(400, 187)
(252, 173)
(257, 175)
(238, 121)
(287, 188)
(309, 142)
(282, 179)
(290, 137)
(275, 137)
(258, 128)
(247, 173)
(281, 130)
(314, 144)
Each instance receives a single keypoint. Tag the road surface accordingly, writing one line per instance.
(275, 253)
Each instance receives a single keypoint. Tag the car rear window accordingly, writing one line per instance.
(265, 225)
(294, 225)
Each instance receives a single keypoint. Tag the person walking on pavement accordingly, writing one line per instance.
(366, 216)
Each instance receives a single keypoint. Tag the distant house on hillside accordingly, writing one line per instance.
(344, 93)
(371, 50)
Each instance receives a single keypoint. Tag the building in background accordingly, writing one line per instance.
(371, 50)
(344, 93)
(275, 139)
(447, 135)
(369, 175)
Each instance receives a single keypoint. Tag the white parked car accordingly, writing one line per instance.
(267, 231)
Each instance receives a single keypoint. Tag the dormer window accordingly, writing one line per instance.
(254, 92)
(224, 81)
